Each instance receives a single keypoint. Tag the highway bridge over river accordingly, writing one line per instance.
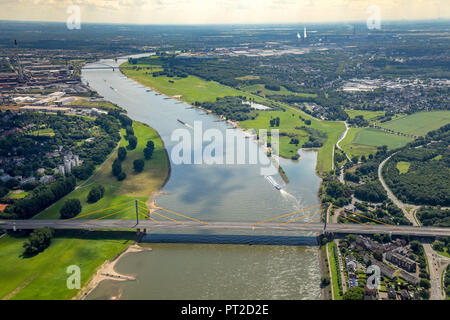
(149, 219)
(147, 225)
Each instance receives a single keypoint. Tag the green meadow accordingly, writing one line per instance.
(367, 115)
(363, 141)
(44, 276)
(420, 123)
(191, 89)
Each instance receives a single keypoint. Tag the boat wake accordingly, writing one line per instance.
(296, 204)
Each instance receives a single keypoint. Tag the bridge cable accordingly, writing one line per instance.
(148, 216)
(301, 217)
(159, 214)
(179, 214)
(91, 213)
(285, 215)
(121, 210)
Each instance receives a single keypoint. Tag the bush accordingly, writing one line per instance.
(96, 194)
(122, 153)
(70, 209)
(132, 142)
(38, 241)
(138, 165)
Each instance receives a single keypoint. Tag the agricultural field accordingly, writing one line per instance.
(24, 278)
(367, 115)
(363, 141)
(419, 124)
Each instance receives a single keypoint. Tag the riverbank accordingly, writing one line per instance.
(107, 272)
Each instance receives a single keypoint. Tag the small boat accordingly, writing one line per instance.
(182, 122)
(273, 182)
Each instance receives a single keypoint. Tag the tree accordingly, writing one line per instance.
(438, 245)
(148, 153)
(116, 168)
(38, 241)
(378, 255)
(415, 246)
(324, 281)
(129, 130)
(70, 209)
(122, 153)
(132, 142)
(122, 176)
(424, 283)
(355, 293)
(138, 165)
(96, 194)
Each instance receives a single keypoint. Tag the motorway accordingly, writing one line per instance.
(230, 226)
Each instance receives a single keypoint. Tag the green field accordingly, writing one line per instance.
(18, 194)
(367, 115)
(403, 166)
(44, 275)
(194, 89)
(191, 89)
(419, 124)
(363, 141)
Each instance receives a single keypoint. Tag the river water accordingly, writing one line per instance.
(215, 265)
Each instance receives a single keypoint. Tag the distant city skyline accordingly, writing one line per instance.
(222, 11)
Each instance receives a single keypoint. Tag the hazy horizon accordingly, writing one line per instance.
(222, 12)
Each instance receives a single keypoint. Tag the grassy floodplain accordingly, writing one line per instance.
(363, 141)
(191, 89)
(420, 123)
(335, 273)
(25, 278)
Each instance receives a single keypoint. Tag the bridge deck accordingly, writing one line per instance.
(231, 226)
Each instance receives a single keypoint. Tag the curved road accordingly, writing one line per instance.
(436, 262)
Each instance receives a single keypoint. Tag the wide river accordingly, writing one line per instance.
(215, 265)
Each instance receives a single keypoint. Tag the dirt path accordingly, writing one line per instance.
(398, 203)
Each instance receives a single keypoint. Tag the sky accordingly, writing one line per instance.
(221, 11)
